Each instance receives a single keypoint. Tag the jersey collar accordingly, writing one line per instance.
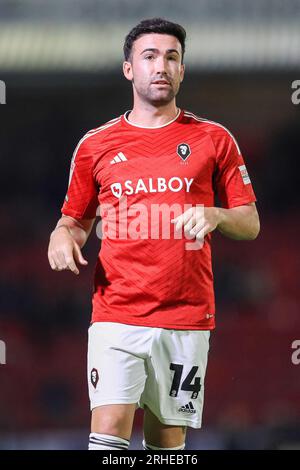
(130, 124)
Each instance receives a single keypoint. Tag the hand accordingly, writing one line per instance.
(64, 252)
(198, 221)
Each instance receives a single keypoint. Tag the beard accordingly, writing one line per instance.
(155, 95)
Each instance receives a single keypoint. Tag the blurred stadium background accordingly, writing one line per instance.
(61, 62)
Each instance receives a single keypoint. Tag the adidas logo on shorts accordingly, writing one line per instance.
(189, 408)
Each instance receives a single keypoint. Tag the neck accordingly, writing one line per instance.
(145, 114)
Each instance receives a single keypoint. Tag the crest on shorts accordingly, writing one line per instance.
(184, 151)
(94, 377)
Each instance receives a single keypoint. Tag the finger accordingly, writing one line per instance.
(201, 234)
(190, 224)
(183, 219)
(78, 255)
(71, 265)
(184, 215)
(175, 218)
(51, 261)
(61, 260)
(69, 259)
(207, 229)
(57, 262)
(197, 227)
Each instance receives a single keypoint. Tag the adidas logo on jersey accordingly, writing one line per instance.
(189, 408)
(118, 158)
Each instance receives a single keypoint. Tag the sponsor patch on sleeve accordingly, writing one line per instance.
(244, 174)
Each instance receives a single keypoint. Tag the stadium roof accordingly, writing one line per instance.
(88, 35)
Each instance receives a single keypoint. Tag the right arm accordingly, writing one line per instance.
(66, 241)
(79, 212)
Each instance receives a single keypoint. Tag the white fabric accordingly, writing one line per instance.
(148, 446)
(132, 364)
(106, 442)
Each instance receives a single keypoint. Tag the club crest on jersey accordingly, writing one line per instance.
(184, 151)
(94, 377)
(116, 189)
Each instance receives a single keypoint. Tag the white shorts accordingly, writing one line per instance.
(163, 369)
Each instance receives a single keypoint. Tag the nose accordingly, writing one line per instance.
(161, 65)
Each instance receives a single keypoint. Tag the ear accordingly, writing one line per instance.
(127, 70)
(182, 70)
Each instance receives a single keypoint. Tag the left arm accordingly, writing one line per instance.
(232, 184)
(239, 223)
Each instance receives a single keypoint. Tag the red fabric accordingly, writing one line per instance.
(154, 281)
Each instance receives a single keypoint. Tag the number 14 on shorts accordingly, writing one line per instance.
(187, 384)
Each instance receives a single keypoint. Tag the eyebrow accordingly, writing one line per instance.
(152, 49)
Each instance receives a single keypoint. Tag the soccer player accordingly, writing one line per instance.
(155, 171)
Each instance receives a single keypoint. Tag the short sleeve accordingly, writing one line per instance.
(232, 182)
(81, 200)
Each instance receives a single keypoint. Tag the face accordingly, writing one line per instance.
(155, 68)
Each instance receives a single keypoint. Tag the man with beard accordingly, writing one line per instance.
(153, 300)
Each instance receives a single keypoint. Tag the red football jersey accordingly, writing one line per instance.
(143, 177)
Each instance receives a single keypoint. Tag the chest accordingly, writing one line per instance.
(140, 165)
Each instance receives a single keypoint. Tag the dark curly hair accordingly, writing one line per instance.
(154, 25)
